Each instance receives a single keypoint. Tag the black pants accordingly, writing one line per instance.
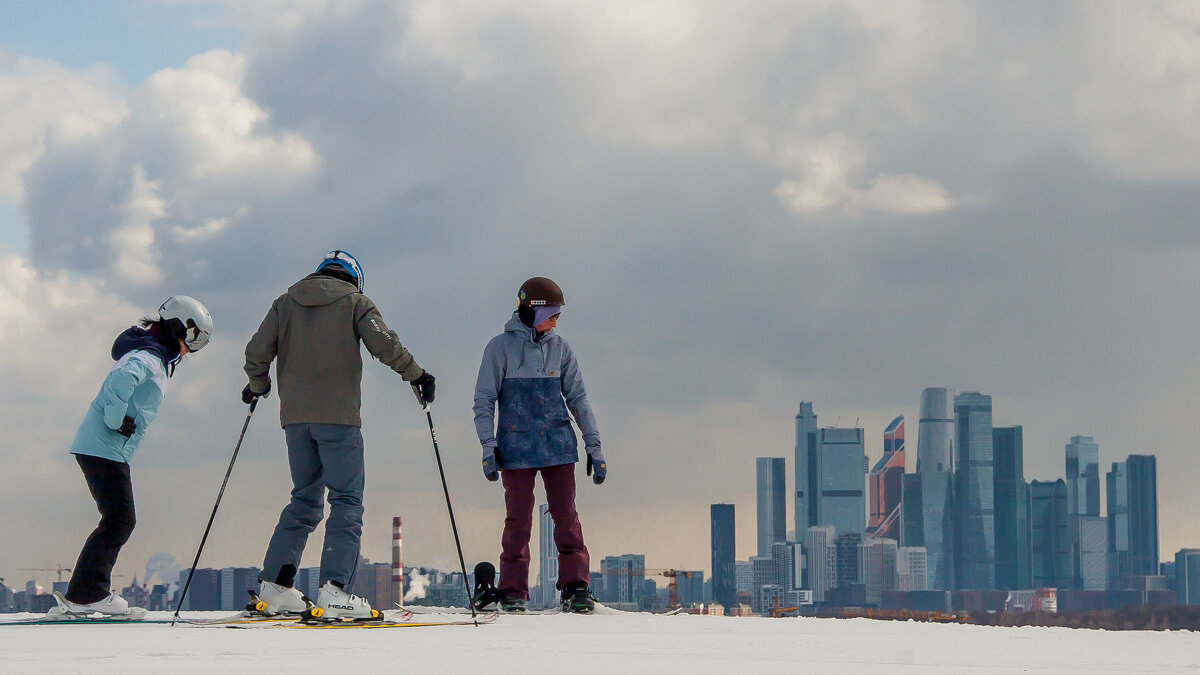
(111, 488)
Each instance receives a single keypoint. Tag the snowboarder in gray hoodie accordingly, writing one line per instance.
(314, 331)
(531, 373)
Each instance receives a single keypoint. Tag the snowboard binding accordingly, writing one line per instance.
(485, 595)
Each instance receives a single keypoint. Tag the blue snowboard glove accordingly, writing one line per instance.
(491, 465)
(597, 468)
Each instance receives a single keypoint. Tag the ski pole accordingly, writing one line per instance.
(449, 506)
(236, 448)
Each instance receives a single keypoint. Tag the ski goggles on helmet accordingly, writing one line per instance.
(543, 313)
(346, 261)
(196, 337)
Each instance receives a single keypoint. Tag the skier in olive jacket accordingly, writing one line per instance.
(532, 374)
(314, 331)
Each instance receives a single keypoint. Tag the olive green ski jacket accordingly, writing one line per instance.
(314, 330)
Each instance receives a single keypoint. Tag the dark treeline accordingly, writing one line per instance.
(1184, 617)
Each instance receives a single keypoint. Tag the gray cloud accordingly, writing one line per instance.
(837, 201)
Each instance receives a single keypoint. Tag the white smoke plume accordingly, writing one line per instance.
(163, 566)
(417, 583)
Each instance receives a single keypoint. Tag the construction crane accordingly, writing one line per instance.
(672, 574)
(59, 570)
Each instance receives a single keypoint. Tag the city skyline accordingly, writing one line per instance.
(1069, 499)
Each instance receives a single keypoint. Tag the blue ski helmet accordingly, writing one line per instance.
(346, 262)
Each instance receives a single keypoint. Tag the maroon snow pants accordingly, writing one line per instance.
(559, 482)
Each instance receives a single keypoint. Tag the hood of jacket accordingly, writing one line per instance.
(318, 290)
(140, 338)
(515, 325)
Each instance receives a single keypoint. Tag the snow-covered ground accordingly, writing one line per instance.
(631, 643)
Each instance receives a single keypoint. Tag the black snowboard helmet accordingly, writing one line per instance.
(537, 292)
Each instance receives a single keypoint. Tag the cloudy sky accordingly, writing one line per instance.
(747, 205)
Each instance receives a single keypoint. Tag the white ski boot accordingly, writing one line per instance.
(334, 603)
(274, 599)
(112, 606)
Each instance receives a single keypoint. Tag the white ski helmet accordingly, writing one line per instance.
(195, 323)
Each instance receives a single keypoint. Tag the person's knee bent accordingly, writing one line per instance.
(304, 515)
(118, 528)
(347, 509)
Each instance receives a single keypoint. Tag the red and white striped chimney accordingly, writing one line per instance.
(397, 564)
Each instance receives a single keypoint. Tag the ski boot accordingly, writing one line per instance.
(111, 606)
(273, 599)
(485, 594)
(513, 604)
(334, 603)
(578, 599)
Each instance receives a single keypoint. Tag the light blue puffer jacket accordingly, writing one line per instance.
(134, 387)
(535, 382)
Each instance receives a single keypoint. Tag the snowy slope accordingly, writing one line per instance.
(630, 643)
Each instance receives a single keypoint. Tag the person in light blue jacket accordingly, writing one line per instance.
(111, 431)
(531, 374)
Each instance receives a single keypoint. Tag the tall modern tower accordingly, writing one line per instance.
(1143, 514)
(830, 473)
(1133, 519)
(548, 550)
(1013, 570)
(843, 468)
(886, 484)
(927, 512)
(1083, 476)
(772, 503)
(1049, 540)
(975, 531)
(724, 579)
(1088, 531)
(807, 468)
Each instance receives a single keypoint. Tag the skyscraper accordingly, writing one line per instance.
(887, 483)
(547, 595)
(1087, 530)
(830, 472)
(1132, 519)
(1117, 482)
(975, 527)
(927, 511)
(822, 561)
(1143, 514)
(806, 468)
(723, 546)
(1049, 536)
(1083, 476)
(772, 503)
(1012, 510)
(842, 467)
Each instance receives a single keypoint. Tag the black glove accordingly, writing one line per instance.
(423, 386)
(128, 427)
(249, 394)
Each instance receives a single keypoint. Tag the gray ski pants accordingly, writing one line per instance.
(321, 456)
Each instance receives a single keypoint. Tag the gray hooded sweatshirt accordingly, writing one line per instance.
(314, 330)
